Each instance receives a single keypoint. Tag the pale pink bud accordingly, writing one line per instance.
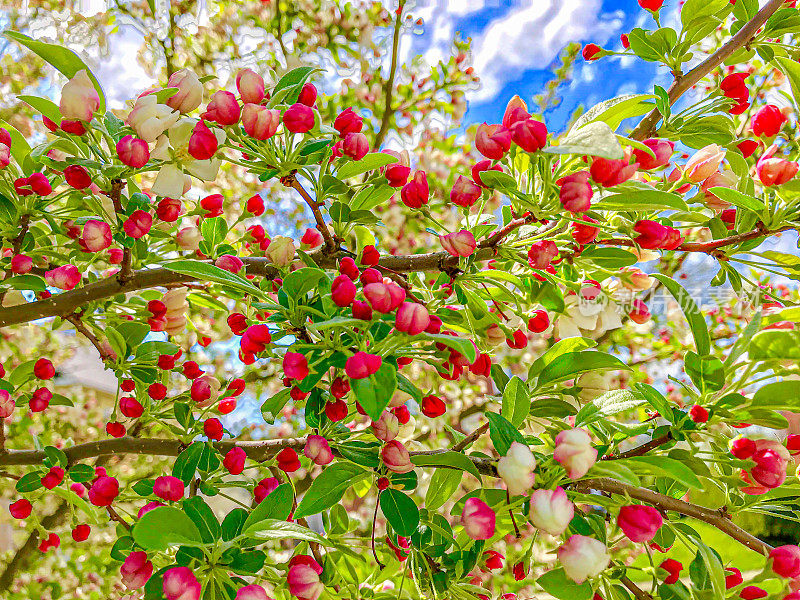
(635, 279)
(5, 156)
(726, 179)
(387, 427)
(362, 365)
(7, 404)
(250, 85)
(639, 523)
(133, 151)
(149, 119)
(493, 141)
(576, 192)
(465, 192)
(775, 171)
(318, 450)
(396, 457)
(574, 452)
(704, 163)
(181, 584)
(189, 238)
(136, 570)
(260, 122)
(63, 278)
(478, 519)
(459, 243)
(662, 149)
(281, 251)
(168, 488)
(79, 98)
(251, 592)
(96, 235)
(541, 254)
(230, 263)
(551, 510)
(639, 312)
(412, 318)
(384, 297)
(190, 91)
(583, 557)
(785, 561)
(223, 108)
(303, 581)
(516, 469)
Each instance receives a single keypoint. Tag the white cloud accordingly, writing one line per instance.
(120, 73)
(531, 36)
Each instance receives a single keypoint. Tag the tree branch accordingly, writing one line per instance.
(640, 450)
(682, 84)
(330, 243)
(389, 88)
(716, 518)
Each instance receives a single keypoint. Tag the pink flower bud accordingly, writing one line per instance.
(362, 310)
(493, 141)
(530, 135)
(5, 155)
(5, 137)
(775, 171)
(465, 192)
(36, 183)
(415, 193)
(40, 399)
(653, 5)
(234, 460)
(704, 163)
(674, 568)
(77, 177)
(43, 369)
(133, 151)
(362, 364)
(767, 122)
(653, 235)
(318, 450)
(516, 110)
(551, 510)
(608, 172)
(190, 91)
(131, 407)
(348, 122)
(396, 457)
(212, 429)
(771, 460)
(21, 509)
(288, 460)
(574, 452)
(168, 488)
(136, 570)
(308, 95)
(478, 519)
(223, 108)
(21, 264)
(298, 118)
(583, 557)
(202, 143)
(251, 86)
(251, 592)
(79, 98)
(63, 278)
(635, 279)
(181, 584)
(138, 224)
(786, 561)
(188, 238)
(260, 122)
(639, 312)
(662, 149)
(311, 238)
(384, 297)
(343, 291)
(516, 469)
(230, 263)
(53, 477)
(576, 192)
(590, 52)
(73, 126)
(7, 404)
(742, 447)
(295, 366)
(459, 243)
(541, 254)
(386, 427)
(585, 234)
(255, 205)
(96, 235)
(397, 173)
(639, 523)
(412, 318)
(264, 488)
(304, 583)
(432, 406)
(355, 145)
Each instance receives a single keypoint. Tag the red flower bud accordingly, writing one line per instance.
(343, 291)
(590, 51)
(348, 122)
(465, 192)
(202, 143)
(234, 461)
(530, 135)
(415, 193)
(288, 460)
(138, 224)
(298, 118)
(433, 406)
(223, 108)
(576, 192)
(169, 210)
(213, 204)
(493, 141)
(77, 177)
(362, 365)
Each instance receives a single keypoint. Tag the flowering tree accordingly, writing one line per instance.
(584, 476)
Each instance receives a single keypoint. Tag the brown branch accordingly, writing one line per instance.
(640, 450)
(716, 518)
(117, 185)
(330, 243)
(464, 444)
(389, 87)
(634, 589)
(81, 328)
(500, 234)
(683, 83)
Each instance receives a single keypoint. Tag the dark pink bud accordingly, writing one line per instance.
(767, 122)
(362, 365)
(465, 192)
(541, 254)
(181, 584)
(288, 461)
(77, 177)
(223, 108)
(21, 264)
(295, 366)
(355, 145)
(348, 122)
(308, 95)
(530, 135)
(136, 570)
(412, 318)
(203, 143)
(493, 141)
(234, 460)
(131, 407)
(228, 262)
(416, 193)
(138, 224)
(298, 118)
(168, 488)
(662, 149)
(639, 523)
(576, 192)
(343, 291)
(608, 172)
(213, 430)
(21, 509)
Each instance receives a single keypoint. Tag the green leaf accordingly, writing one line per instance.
(328, 488)
(780, 395)
(791, 69)
(444, 483)
(449, 459)
(461, 345)
(558, 349)
(56, 456)
(706, 372)
(166, 526)
(373, 160)
(655, 399)
(400, 510)
(738, 199)
(594, 139)
(81, 473)
(516, 401)
(649, 200)
(273, 529)
(665, 467)
(572, 364)
(372, 196)
(697, 323)
(375, 392)
(274, 405)
(608, 257)
(202, 271)
(29, 482)
(185, 465)
(277, 505)
(26, 282)
(233, 523)
(202, 516)
(19, 145)
(613, 112)
(46, 107)
(775, 344)
(503, 433)
(63, 59)
(557, 584)
(298, 283)
(287, 90)
(499, 180)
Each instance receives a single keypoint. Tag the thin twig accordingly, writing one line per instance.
(330, 243)
(634, 589)
(640, 450)
(388, 90)
(82, 329)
